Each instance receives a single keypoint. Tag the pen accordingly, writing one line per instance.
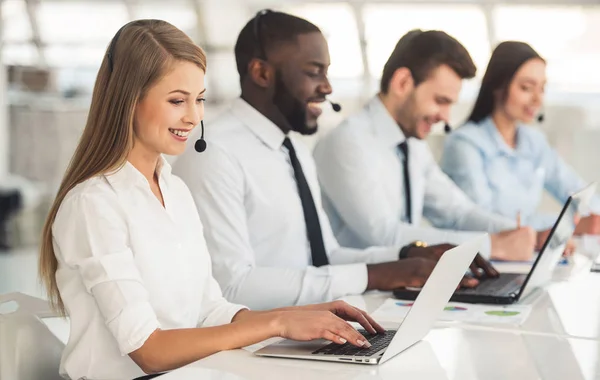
(518, 219)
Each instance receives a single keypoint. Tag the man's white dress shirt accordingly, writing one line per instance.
(361, 174)
(248, 200)
(128, 266)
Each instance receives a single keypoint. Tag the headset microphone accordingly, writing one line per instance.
(336, 107)
(447, 128)
(200, 145)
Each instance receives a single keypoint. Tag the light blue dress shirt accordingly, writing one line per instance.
(507, 181)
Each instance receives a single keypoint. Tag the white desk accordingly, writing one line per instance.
(559, 340)
(568, 307)
(446, 353)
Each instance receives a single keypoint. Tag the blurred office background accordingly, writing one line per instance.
(50, 51)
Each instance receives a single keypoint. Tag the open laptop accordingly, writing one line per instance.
(431, 301)
(509, 288)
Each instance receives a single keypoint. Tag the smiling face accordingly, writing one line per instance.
(427, 103)
(526, 92)
(301, 83)
(169, 111)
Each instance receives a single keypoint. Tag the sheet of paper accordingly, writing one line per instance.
(589, 245)
(395, 310)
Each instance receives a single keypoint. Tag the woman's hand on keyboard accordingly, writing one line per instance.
(348, 313)
(305, 325)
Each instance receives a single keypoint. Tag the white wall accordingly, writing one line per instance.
(3, 124)
(3, 117)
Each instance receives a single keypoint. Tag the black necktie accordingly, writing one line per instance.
(311, 218)
(404, 149)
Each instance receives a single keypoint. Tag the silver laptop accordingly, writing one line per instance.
(427, 307)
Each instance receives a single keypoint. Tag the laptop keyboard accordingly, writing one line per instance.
(378, 342)
(505, 284)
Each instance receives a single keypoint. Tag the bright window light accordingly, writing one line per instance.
(567, 37)
(15, 21)
(338, 24)
(74, 56)
(218, 32)
(181, 15)
(386, 23)
(80, 21)
(19, 54)
(222, 79)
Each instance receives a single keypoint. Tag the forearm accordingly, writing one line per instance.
(293, 286)
(166, 350)
(477, 219)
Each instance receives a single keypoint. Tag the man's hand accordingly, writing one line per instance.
(409, 272)
(542, 236)
(590, 225)
(514, 245)
(479, 266)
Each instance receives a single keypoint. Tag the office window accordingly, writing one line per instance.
(338, 24)
(222, 79)
(181, 15)
(566, 36)
(386, 23)
(223, 20)
(74, 56)
(15, 21)
(19, 54)
(80, 21)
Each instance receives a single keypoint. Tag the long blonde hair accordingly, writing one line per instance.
(138, 56)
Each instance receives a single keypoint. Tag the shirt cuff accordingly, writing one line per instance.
(133, 326)
(222, 315)
(348, 279)
(486, 248)
(384, 255)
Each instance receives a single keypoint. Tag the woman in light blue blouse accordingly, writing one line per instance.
(500, 163)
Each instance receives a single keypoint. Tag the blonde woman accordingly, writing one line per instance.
(123, 253)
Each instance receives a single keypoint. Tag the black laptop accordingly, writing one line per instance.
(508, 288)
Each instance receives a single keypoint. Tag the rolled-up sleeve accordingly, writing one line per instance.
(92, 236)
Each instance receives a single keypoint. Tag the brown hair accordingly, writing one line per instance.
(423, 51)
(507, 58)
(139, 55)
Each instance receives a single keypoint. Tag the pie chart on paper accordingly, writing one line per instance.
(454, 308)
(502, 313)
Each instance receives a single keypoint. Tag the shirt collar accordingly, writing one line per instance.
(385, 127)
(259, 124)
(522, 148)
(128, 175)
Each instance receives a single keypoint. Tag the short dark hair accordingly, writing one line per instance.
(504, 63)
(266, 32)
(422, 52)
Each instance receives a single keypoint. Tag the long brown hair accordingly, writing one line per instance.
(504, 63)
(139, 55)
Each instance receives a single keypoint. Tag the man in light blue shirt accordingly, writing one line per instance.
(378, 175)
(500, 163)
(256, 187)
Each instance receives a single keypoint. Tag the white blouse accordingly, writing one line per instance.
(127, 266)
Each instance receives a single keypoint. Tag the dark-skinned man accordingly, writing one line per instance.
(256, 185)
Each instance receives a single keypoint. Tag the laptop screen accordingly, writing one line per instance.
(558, 238)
